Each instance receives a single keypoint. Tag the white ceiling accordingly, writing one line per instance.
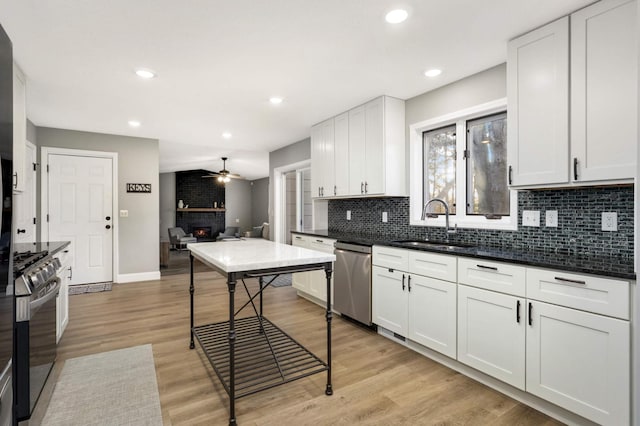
(218, 62)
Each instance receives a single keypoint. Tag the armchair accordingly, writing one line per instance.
(179, 239)
(229, 232)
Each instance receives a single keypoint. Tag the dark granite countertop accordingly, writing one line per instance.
(610, 266)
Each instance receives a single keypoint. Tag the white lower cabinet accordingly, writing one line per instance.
(62, 301)
(580, 361)
(491, 333)
(563, 337)
(414, 306)
(432, 314)
(313, 283)
(389, 299)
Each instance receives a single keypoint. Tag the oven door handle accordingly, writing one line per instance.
(50, 295)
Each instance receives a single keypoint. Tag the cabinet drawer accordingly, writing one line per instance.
(393, 258)
(324, 245)
(599, 295)
(496, 276)
(440, 266)
(299, 241)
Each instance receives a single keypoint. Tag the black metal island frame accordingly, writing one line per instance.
(251, 354)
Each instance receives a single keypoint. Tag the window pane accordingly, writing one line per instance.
(487, 191)
(439, 168)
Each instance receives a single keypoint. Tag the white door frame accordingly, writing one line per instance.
(44, 185)
(279, 208)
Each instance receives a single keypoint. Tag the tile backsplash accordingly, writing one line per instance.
(579, 221)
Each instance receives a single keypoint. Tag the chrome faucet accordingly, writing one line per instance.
(449, 229)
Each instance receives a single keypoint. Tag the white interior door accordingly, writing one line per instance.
(25, 202)
(80, 210)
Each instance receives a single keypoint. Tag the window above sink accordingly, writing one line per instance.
(461, 158)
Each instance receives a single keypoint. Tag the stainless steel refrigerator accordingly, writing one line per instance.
(7, 416)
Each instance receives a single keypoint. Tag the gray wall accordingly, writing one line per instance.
(290, 154)
(32, 133)
(138, 160)
(476, 89)
(238, 204)
(260, 201)
(168, 204)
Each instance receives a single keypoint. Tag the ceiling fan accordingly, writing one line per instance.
(223, 175)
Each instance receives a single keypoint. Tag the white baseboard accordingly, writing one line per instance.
(140, 276)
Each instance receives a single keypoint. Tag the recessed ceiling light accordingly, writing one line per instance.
(134, 123)
(433, 72)
(145, 73)
(226, 135)
(396, 16)
(275, 100)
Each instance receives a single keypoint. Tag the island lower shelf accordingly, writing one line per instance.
(265, 356)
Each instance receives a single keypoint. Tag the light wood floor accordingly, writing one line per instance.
(376, 381)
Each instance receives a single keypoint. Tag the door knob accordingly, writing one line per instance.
(108, 218)
(108, 226)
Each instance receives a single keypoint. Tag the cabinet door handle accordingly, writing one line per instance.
(510, 175)
(568, 280)
(362, 187)
(335, 190)
(491, 268)
(22, 231)
(402, 282)
(409, 283)
(298, 238)
(575, 168)
(366, 187)
(70, 272)
(530, 313)
(518, 311)
(320, 241)
(318, 191)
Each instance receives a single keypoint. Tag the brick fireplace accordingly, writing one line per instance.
(196, 191)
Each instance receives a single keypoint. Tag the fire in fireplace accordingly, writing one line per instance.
(201, 232)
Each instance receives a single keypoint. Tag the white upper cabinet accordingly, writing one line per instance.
(579, 74)
(538, 106)
(322, 154)
(19, 128)
(604, 94)
(341, 154)
(357, 146)
(368, 152)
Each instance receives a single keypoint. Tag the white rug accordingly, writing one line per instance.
(110, 388)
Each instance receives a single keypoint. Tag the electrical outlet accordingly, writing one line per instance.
(609, 221)
(348, 214)
(531, 218)
(385, 217)
(551, 218)
(237, 220)
(124, 213)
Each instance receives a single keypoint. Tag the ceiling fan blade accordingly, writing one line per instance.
(234, 176)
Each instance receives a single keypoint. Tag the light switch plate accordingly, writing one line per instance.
(237, 220)
(385, 217)
(531, 218)
(348, 214)
(609, 221)
(124, 213)
(551, 218)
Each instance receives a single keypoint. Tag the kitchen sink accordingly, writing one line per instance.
(443, 245)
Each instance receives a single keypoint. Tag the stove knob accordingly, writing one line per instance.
(57, 264)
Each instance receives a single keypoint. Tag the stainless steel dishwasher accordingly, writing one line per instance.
(352, 281)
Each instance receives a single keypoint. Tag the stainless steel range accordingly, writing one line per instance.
(36, 289)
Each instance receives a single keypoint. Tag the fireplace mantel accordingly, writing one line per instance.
(200, 210)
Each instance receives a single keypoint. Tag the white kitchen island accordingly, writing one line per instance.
(251, 354)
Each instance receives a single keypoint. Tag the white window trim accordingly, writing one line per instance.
(461, 219)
